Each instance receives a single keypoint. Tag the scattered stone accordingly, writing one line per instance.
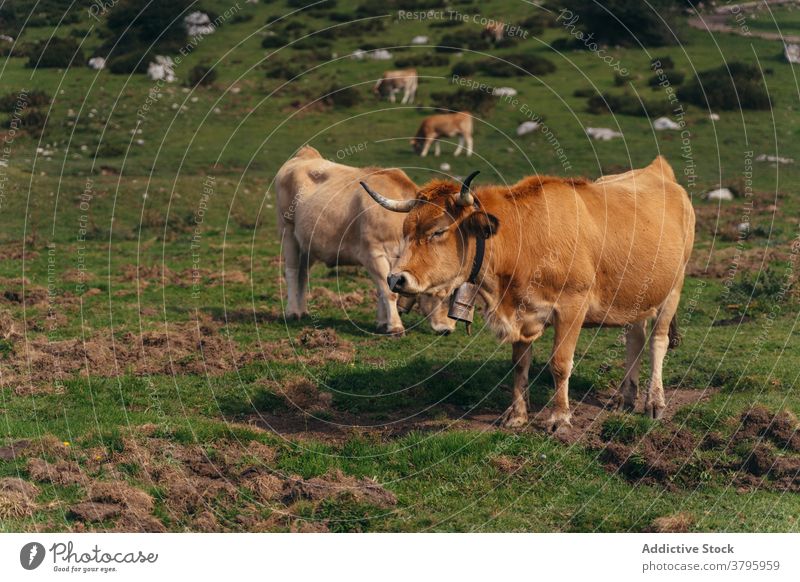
(504, 91)
(419, 40)
(602, 133)
(792, 53)
(774, 159)
(714, 116)
(198, 24)
(527, 127)
(720, 194)
(445, 167)
(162, 69)
(665, 123)
(97, 63)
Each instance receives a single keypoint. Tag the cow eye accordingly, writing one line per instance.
(438, 233)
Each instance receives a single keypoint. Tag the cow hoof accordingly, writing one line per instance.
(622, 404)
(296, 316)
(559, 422)
(384, 329)
(512, 418)
(654, 411)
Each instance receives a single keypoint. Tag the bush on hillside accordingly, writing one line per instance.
(625, 23)
(627, 104)
(674, 78)
(422, 60)
(345, 97)
(518, 65)
(11, 101)
(133, 36)
(201, 75)
(466, 39)
(472, 100)
(729, 87)
(57, 53)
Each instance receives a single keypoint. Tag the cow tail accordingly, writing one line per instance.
(674, 335)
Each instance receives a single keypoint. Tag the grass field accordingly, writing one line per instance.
(136, 397)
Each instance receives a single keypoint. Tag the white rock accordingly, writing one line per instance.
(774, 159)
(97, 63)
(714, 116)
(663, 123)
(744, 227)
(527, 127)
(217, 110)
(381, 55)
(162, 69)
(419, 40)
(198, 24)
(792, 53)
(504, 91)
(236, 90)
(194, 99)
(445, 167)
(602, 133)
(6, 38)
(720, 194)
(358, 54)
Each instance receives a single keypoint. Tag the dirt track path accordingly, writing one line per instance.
(718, 22)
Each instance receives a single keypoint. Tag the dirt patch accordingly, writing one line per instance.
(196, 347)
(77, 276)
(16, 252)
(336, 485)
(17, 498)
(781, 428)
(324, 298)
(675, 523)
(661, 457)
(300, 393)
(506, 464)
(324, 345)
(129, 497)
(94, 511)
(58, 473)
(14, 450)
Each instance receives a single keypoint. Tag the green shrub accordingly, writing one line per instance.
(463, 69)
(625, 23)
(462, 40)
(627, 104)
(729, 87)
(35, 98)
(472, 100)
(674, 78)
(422, 60)
(32, 120)
(754, 293)
(57, 53)
(587, 92)
(132, 62)
(517, 65)
(201, 75)
(345, 97)
(665, 63)
(273, 41)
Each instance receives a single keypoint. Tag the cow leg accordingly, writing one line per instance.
(437, 149)
(634, 345)
(659, 342)
(516, 415)
(469, 145)
(460, 145)
(406, 94)
(427, 146)
(567, 329)
(392, 97)
(388, 317)
(296, 272)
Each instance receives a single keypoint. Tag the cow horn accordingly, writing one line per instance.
(465, 198)
(388, 203)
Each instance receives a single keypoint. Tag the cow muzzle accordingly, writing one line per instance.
(397, 282)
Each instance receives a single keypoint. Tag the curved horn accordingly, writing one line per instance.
(388, 203)
(465, 198)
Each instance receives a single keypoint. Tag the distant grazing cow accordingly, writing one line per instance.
(435, 127)
(393, 81)
(563, 252)
(324, 215)
(494, 31)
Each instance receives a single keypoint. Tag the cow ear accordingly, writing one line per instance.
(482, 224)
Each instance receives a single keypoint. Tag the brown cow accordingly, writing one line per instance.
(323, 215)
(393, 81)
(441, 125)
(562, 252)
(494, 31)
